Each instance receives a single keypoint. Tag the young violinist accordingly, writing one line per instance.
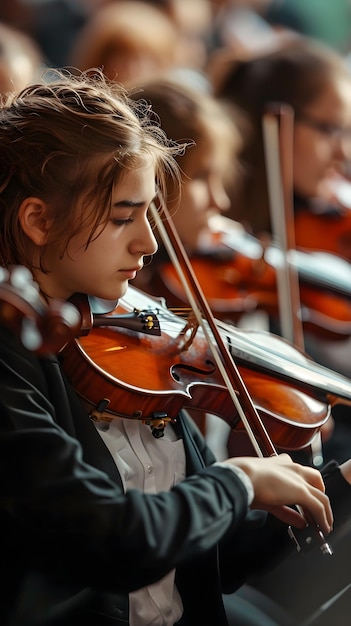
(115, 526)
(315, 81)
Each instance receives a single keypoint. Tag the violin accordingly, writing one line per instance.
(329, 231)
(143, 361)
(326, 226)
(239, 275)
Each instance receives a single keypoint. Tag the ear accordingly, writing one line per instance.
(33, 217)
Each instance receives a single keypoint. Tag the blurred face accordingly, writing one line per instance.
(322, 139)
(194, 20)
(128, 67)
(116, 254)
(203, 192)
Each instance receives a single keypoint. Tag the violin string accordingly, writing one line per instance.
(266, 351)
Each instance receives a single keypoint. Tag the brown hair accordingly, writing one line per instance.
(123, 32)
(191, 115)
(67, 139)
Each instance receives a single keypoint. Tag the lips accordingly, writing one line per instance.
(132, 269)
(130, 273)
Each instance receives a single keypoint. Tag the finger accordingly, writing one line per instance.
(293, 517)
(318, 509)
(310, 475)
(311, 506)
(289, 516)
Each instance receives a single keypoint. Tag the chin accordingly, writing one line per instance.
(121, 291)
(111, 294)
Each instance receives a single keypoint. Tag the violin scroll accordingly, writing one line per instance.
(41, 327)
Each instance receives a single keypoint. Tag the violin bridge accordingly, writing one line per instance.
(189, 331)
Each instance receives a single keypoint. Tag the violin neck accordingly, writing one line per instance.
(272, 355)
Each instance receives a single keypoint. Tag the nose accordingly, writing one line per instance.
(346, 148)
(219, 197)
(342, 148)
(144, 243)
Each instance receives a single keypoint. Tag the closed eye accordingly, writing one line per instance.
(122, 222)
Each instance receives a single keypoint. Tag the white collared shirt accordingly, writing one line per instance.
(150, 465)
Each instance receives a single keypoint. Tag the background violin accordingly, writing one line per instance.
(329, 231)
(238, 275)
(325, 223)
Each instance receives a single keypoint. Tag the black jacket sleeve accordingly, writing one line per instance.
(70, 520)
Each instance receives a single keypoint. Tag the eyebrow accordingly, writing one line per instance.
(130, 204)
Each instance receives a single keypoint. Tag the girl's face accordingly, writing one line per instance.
(322, 139)
(116, 254)
(203, 193)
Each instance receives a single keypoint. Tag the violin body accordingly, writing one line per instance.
(238, 274)
(329, 231)
(232, 286)
(120, 372)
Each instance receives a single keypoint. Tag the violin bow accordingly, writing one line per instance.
(277, 127)
(201, 310)
(278, 138)
(222, 357)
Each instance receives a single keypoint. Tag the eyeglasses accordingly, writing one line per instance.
(334, 131)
